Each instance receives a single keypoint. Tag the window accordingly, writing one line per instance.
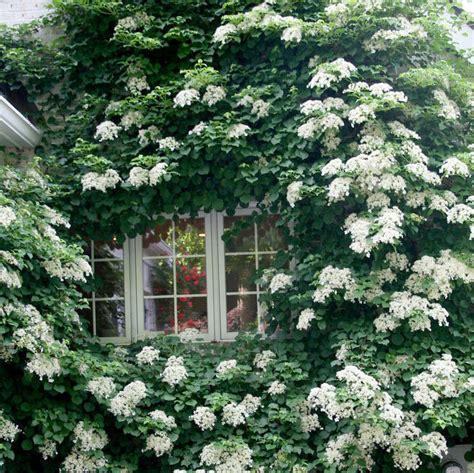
(182, 274)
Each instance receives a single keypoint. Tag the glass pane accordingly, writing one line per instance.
(108, 249)
(159, 240)
(241, 313)
(191, 276)
(110, 318)
(192, 313)
(190, 236)
(244, 240)
(270, 237)
(159, 315)
(240, 273)
(158, 277)
(108, 277)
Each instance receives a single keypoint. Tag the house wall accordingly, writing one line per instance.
(15, 12)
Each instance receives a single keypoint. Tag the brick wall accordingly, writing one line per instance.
(14, 12)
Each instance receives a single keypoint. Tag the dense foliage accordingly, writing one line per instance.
(353, 120)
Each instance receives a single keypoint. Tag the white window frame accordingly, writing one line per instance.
(215, 281)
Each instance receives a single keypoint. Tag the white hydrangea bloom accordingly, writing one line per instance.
(138, 176)
(137, 84)
(460, 213)
(168, 421)
(251, 404)
(10, 279)
(7, 216)
(262, 360)
(310, 423)
(292, 34)
(100, 182)
(421, 170)
(454, 167)
(234, 414)
(102, 386)
(186, 97)
(8, 430)
(147, 356)
(280, 282)
(449, 109)
(213, 94)
(78, 461)
(223, 33)
(44, 366)
(439, 381)
(48, 450)
(160, 443)
(401, 131)
(329, 73)
(305, 318)
(260, 108)
(157, 172)
(132, 118)
(175, 371)
(198, 129)
(76, 270)
(124, 403)
(238, 131)
(107, 131)
(361, 385)
(204, 418)
(276, 388)
(332, 279)
(189, 335)
(227, 457)
(169, 143)
(293, 193)
(225, 367)
(361, 114)
(89, 439)
(339, 188)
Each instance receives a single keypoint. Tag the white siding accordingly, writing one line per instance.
(14, 12)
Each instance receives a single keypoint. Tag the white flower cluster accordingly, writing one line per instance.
(169, 143)
(280, 282)
(417, 310)
(48, 450)
(454, 167)
(276, 388)
(78, 461)
(404, 29)
(55, 218)
(147, 356)
(292, 34)
(133, 23)
(186, 97)
(460, 213)
(293, 193)
(262, 360)
(234, 414)
(389, 223)
(361, 114)
(448, 108)
(401, 131)
(8, 278)
(7, 257)
(260, 108)
(175, 371)
(189, 335)
(227, 456)
(332, 279)
(421, 171)
(213, 94)
(100, 182)
(36, 333)
(107, 131)
(305, 318)
(204, 418)
(76, 270)
(224, 33)
(199, 129)
(329, 122)
(102, 386)
(331, 72)
(148, 135)
(160, 443)
(7, 216)
(225, 367)
(124, 403)
(238, 130)
(434, 277)
(137, 84)
(44, 366)
(8, 430)
(168, 422)
(139, 176)
(130, 119)
(439, 381)
(88, 439)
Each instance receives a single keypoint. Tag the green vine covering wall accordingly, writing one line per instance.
(353, 122)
